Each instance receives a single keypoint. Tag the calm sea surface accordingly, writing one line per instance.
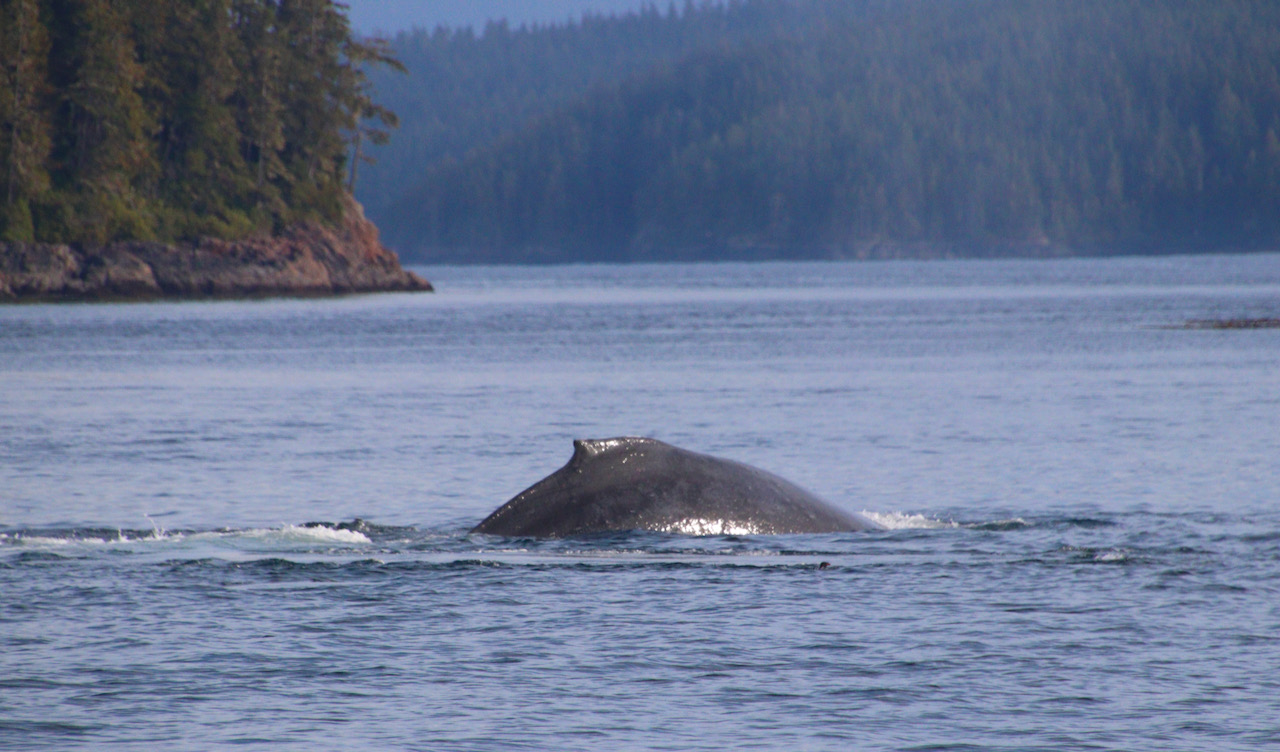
(1083, 506)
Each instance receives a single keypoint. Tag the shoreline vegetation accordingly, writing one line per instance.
(788, 129)
(205, 148)
(734, 130)
(308, 259)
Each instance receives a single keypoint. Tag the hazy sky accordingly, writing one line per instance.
(395, 15)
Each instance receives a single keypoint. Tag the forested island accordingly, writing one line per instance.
(838, 129)
(159, 148)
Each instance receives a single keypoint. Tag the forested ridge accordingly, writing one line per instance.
(467, 89)
(165, 120)
(790, 128)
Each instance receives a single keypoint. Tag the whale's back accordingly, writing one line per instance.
(633, 483)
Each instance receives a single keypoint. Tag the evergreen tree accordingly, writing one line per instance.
(24, 116)
(260, 105)
(311, 34)
(846, 126)
(137, 119)
(367, 120)
(196, 131)
(102, 155)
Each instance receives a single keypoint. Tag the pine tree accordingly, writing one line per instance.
(328, 103)
(137, 119)
(311, 33)
(366, 120)
(259, 102)
(196, 135)
(24, 124)
(104, 151)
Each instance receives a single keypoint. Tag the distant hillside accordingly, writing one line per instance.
(466, 91)
(831, 129)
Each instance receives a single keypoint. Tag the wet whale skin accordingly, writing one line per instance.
(633, 483)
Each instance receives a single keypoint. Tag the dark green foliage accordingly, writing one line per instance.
(159, 119)
(24, 128)
(467, 90)
(836, 128)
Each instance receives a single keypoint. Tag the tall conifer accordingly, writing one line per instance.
(24, 117)
(104, 152)
(259, 102)
(132, 119)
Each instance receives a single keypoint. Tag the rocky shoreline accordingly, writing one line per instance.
(307, 259)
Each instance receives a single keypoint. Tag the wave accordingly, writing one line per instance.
(310, 533)
(907, 521)
(905, 533)
(286, 535)
(363, 533)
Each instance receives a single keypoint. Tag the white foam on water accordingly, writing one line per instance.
(48, 541)
(287, 533)
(286, 536)
(1111, 555)
(317, 534)
(904, 521)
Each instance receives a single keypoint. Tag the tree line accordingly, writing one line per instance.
(163, 120)
(467, 89)
(823, 128)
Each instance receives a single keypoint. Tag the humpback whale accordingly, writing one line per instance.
(633, 483)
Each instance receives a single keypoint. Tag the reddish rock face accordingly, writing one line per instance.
(305, 259)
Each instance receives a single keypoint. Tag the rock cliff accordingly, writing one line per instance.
(306, 259)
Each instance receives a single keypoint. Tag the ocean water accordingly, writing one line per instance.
(244, 524)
